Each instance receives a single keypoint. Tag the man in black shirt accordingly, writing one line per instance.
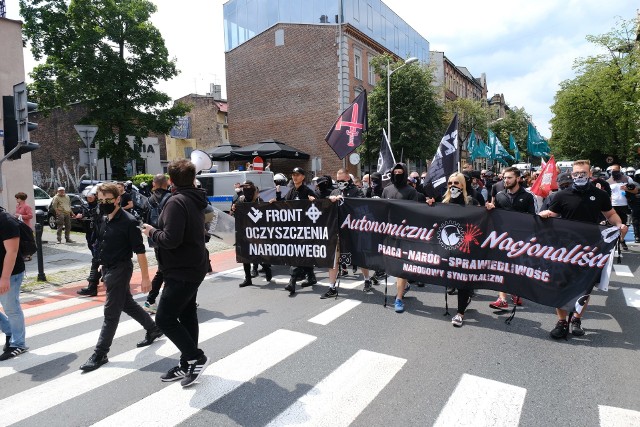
(183, 259)
(118, 238)
(513, 198)
(580, 202)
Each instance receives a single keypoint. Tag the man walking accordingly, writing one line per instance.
(11, 275)
(619, 189)
(180, 239)
(118, 238)
(61, 204)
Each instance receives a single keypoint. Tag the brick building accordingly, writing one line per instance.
(207, 120)
(290, 72)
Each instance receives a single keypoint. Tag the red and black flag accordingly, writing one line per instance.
(346, 133)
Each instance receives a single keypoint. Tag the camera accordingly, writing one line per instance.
(631, 186)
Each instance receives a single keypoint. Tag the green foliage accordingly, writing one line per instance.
(515, 121)
(416, 115)
(106, 54)
(143, 177)
(597, 113)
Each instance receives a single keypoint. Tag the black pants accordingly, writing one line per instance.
(177, 317)
(156, 283)
(119, 299)
(464, 298)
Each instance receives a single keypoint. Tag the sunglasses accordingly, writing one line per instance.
(106, 201)
(579, 174)
(450, 183)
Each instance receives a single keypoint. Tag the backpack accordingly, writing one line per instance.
(154, 210)
(28, 245)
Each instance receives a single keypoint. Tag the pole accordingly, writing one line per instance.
(388, 101)
(41, 276)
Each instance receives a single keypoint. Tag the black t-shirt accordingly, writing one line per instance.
(125, 198)
(586, 205)
(119, 238)
(8, 230)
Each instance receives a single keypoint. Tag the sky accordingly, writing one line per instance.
(525, 48)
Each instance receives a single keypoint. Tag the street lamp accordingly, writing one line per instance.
(389, 73)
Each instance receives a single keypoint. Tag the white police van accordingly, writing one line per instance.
(220, 186)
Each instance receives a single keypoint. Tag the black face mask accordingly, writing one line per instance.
(107, 208)
(248, 193)
(398, 179)
(616, 174)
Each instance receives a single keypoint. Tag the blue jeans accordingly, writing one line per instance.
(13, 323)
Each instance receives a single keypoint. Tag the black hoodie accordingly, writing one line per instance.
(400, 190)
(180, 236)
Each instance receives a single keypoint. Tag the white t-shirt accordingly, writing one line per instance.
(617, 196)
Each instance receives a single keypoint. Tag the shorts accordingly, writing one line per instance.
(623, 213)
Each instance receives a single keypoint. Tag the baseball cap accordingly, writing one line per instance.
(298, 170)
(564, 178)
(60, 188)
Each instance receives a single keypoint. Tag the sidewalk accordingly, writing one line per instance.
(70, 262)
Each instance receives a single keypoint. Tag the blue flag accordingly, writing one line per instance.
(536, 144)
(498, 152)
(514, 147)
(471, 145)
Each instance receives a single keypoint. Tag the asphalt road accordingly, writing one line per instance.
(351, 361)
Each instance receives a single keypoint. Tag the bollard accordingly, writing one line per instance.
(41, 276)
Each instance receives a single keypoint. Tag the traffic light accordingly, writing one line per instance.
(15, 110)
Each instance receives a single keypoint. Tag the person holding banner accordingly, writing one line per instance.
(581, 202)
(251, 194)
(400, 190)
(513, 198)
(457, 194)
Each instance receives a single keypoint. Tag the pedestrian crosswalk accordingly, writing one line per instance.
(342, 391)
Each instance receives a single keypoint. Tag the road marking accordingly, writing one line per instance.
(479, 402)
(60, 349)
(58, 305)
(631, 297)
(340, 397)
(334, 312)
(348, 284)
(615, 417)
(69, 320)
(220, 379)
(622, 270)
(231, 271)
(61, 389)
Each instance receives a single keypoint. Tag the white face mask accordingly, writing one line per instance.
(342, 185)
(580, 182)
(365, 185)
(455, 192)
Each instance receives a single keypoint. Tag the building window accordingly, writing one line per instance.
(357, 64)
(369, 17)
(372, 73)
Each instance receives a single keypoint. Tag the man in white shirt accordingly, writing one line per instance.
(619, 189)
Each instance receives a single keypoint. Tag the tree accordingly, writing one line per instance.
(597, 114)
(106, 54)
(416, 115)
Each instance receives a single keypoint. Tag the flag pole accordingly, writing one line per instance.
(459, 148)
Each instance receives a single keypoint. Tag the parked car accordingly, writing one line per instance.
(42, 201)
(76, 208)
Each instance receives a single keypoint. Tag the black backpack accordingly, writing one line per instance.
(154, 210)
(28, 245)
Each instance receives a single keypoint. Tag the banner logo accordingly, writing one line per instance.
(450, 235)
(255, 215)
(313, 213)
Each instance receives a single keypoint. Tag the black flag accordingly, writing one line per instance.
(386, 161)
(346, 133)
(445, 162)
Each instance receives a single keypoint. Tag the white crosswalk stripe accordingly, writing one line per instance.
(61, 389)
(334, 312)
(339, 398)
(622, 270)
(631, 297)
(217, 381)
(618, 417)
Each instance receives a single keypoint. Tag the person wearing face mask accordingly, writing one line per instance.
(91, 215)
(580, 202)
(251, 194)
(619, 189)
(324, 187)
(400, 190)
(375, 187)
(366, 182)
(118, 239)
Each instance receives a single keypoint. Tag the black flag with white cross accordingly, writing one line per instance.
(445, 161)
(386, 161)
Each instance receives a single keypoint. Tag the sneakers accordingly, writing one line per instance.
(150, 308)
(246, 282)
(6, 344)
(406, 289)
(374, 280)
(561, 329)
(176, 373)
(150, 337)
(367, 287)
(195, 369)
(399, 306)
(499, 304)
(516, 300)
(70, 241)
(254, 272)
(291, 287)
(89, 291)
(309, 281)
(451, 291)
(457, 321)
(331, 293)
(624, 245)
(576, 327)
(95, 361)
(11, 352)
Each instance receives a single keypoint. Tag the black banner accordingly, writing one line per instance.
(300, 233)
(445, 161)
(551, 261)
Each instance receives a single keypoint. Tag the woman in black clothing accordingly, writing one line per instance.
(250, 194)
(457, 194)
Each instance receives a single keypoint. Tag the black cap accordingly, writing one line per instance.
(564, 178)
(299, 170)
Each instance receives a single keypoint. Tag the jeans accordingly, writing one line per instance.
(119, 299)
(177, 317)
(13, 323)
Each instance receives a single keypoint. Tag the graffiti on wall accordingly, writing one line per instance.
(62, 176)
